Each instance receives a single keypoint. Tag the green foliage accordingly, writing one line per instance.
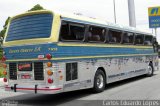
(1, 72)
(2, 33)
(1, 53)
(6, 22)
(36, 7)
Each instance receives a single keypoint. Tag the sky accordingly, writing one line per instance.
(101, 9)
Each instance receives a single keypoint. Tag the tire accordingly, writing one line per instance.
(99, 81)
(150, 70)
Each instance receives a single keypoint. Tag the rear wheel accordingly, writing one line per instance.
(150, 70)
(99, 81)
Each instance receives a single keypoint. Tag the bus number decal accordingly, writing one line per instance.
(53, 49)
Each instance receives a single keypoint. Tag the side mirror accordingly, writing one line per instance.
(155, 45)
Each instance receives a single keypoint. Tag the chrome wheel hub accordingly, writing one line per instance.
(149, 70)
(100, 81)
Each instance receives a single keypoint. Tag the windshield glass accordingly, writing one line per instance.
(30, 26)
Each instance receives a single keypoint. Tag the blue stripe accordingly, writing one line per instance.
(67, 51)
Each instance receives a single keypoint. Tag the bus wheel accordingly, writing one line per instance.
(150, 70)
(99, 81)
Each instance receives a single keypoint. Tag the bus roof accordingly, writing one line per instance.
(88, 20)
(98, 22)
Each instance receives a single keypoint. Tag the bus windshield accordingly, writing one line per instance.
(30, 27)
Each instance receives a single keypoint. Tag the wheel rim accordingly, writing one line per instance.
(150, 70)
(100, 81)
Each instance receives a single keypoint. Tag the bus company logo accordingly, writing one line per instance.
(154, 11)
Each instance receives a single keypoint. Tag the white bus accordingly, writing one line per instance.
(48, 52)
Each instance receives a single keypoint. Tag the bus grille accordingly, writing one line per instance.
(38, 71)
(13, 71)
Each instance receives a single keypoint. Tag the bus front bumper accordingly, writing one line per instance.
(33, 89)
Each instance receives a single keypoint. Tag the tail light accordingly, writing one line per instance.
(50, 80)
(49, 72)
(49, 64)
(4, 79)
(48, 56)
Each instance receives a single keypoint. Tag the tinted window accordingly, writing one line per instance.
(148, 40)
(29, 27)
(96, 34)
(72, 31)
(128, 38)
(139, 39)
(114, 36)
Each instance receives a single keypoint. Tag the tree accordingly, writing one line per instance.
(36, 7)
(2, 33)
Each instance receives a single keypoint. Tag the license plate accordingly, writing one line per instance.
(25, 66)
(25, 76)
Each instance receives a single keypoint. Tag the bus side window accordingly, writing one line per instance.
(139, 39)
(128, 38)
(148, 40)
(64, 30)
(114, 36)
(96, 34)
(72, 31)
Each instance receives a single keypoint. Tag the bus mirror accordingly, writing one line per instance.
(155, 45)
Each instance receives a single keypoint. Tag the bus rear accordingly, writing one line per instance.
(28, 49)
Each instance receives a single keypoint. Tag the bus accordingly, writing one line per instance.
(49, 52)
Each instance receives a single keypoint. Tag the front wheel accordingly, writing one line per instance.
(150, 70)
(99, 81)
